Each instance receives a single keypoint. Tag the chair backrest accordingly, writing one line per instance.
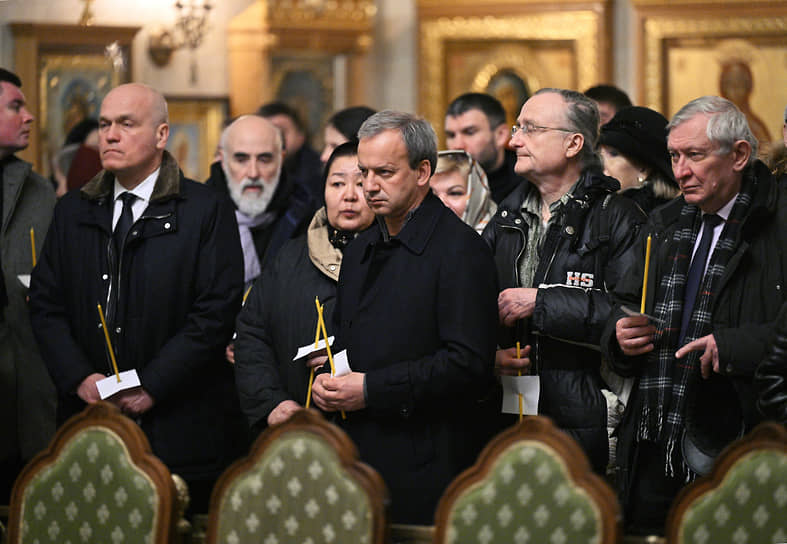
(743, 499)
(532, 483)
(96, 482)
(301, 482)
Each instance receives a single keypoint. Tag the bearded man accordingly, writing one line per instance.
(270, 210)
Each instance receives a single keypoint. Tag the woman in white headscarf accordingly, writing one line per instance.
(460, 182)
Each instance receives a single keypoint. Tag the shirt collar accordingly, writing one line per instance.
(532, 202)
(418, 226)
(141, 191)
(724, 211)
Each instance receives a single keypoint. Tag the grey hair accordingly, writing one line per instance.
(583, 117)
(726, 123)
(418, 135)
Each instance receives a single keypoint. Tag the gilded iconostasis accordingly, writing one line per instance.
(322, 55)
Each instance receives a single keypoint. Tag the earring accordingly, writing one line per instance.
(640, 179)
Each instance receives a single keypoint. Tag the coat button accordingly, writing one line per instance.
(105, 277)
(569, 230)
(404, 412)
(518, 221)
(167, 225)
(729, 369)
(134, 232)
(117, 330)
(504, 214)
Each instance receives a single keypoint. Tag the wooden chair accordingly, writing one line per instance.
(743, 499)
(96, 482)
(301, 482)
(532, 483)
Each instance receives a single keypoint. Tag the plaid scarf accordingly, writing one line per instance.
(666, 382)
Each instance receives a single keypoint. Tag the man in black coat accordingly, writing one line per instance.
(270, 209)
(161, 254)
(416, 313)
(476, 123)
(716, 282)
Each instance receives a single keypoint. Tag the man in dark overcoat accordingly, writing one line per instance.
(27, 402)
(161, 254)
(715, 284)
(416, 311)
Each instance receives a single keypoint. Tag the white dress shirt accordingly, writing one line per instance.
(141, 191)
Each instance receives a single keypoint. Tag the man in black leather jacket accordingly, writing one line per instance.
(560, 243)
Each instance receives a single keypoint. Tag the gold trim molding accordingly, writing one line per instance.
(658, 29)
(688, 3)
(322, 14)
(583, 27)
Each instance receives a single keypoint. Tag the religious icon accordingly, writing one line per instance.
(736, 84)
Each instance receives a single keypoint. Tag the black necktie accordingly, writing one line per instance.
(697, 271)
(125, 220)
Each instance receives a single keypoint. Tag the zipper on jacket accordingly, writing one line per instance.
(521, 251)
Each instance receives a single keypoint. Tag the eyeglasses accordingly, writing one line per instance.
(529, 128)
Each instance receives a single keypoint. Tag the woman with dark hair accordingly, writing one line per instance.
(280, 314)
(342, 127)
(633, 147)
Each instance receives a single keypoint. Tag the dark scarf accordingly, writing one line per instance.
(667, 383)
(340, 238)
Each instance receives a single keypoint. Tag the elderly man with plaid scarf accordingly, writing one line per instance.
(715, 283)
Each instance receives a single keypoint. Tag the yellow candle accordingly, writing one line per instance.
(309, 390)
(109, 342)
(33, 244)
(518, 355)
(319, 319)
(645, 277)
(316, 343)
(327, 345)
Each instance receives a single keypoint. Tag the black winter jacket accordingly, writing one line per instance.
(743, 313)
(771, 375)
(585, 253)
(417, 315)
(174, 302)
(279, 316)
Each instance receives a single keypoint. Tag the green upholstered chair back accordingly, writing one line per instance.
(531, 484)
(302, 482)
(97, 482)
(744, 498)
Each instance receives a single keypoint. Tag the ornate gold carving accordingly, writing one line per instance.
(321, 13)
(659, 29)
(583, 28)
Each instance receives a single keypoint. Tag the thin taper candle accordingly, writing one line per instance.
(33, 244)
(519, 373)
(645, 277)
(316, 344)
(327, 344)
(109, 342)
